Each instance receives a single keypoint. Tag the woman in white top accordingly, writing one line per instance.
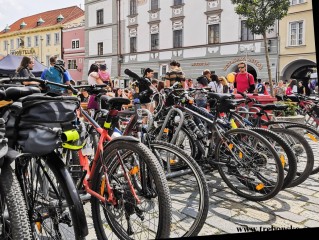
(215, 84)
(93, 79)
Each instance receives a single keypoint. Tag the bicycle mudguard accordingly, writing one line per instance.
(124, 138)
(60, 171)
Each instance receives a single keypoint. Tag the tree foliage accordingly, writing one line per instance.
(261, 14)
(261, 17)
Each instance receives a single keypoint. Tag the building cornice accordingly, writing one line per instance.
(133, 26)
(212, 12)
(177, 18)
(154, 22)
(154, 10)
(31, 31)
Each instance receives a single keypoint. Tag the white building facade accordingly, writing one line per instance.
(200, 34)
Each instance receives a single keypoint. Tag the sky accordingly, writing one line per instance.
(13, 10)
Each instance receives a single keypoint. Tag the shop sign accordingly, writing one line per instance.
(243, 59)
(26, 51)
(200, 64)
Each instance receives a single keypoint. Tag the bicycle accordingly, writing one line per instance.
(128, 203)
(224, 149)
(299, 136)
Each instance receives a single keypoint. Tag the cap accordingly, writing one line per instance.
(103, 67)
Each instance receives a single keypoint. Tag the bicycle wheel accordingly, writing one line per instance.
(285, 152)
(127, 219)
(55, 209)
(312, 137)
(188, 189)
(249, 164)
(303, 153)
(14, 222)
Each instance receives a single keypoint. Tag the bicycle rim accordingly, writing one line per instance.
(249, 165)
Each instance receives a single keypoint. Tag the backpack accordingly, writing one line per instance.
(52, 74)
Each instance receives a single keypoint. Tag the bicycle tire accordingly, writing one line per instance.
(11, 194)
(246, 178)
(312, 137)
(289, 161)
(156, 175)
(184, 185)
(52, 198)
(304, 163)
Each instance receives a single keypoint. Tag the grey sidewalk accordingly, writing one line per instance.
(292, 208)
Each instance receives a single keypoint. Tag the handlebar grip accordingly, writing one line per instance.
(131, 74)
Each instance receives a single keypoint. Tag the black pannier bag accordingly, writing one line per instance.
(42, 120)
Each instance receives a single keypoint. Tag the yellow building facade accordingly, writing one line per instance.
(297, 50)
(39, 36)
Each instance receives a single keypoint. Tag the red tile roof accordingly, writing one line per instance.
(50, 18)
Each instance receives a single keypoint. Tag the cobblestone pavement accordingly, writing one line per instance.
(292, 208)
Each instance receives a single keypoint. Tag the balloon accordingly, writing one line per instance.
(231, 77)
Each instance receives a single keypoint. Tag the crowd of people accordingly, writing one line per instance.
(240, 81)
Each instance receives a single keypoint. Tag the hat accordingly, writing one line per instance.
(103, 67)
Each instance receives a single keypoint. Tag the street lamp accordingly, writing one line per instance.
(246, 49)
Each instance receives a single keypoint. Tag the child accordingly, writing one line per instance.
(104, 75)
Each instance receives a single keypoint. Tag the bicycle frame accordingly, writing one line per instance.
(90, 171)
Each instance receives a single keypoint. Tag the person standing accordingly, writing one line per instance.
(215, 84)
(292, 87)
(55, 74)
(93, 79)
(301, 88)
(202, 82)
(224, 83)
(244, 81)
(280, 90)
(174, 75)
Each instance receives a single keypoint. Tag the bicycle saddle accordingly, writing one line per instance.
(271, 106)
(220, 96)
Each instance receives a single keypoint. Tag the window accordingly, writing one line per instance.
(246, 34)
(177, 38)
(100, 48)
(213, 33)
(18, 42)
(133, 7)
(36, 41)
(72, 64)
(296, 33)
(48, 39)
(75, 44)
(29, 41)
(154, 41)
(5, 45)
(99, 17)
(154, 4)
(56, 38)
(133, 44)
(178, 2)
(11, 44)
(295, 2)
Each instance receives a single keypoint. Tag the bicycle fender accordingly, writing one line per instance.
(61, 171)
(124, 138)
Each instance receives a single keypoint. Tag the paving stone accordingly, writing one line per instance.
(290, 216)
(302, 190)
(310, 215)
(209, 230)
(311, 223)
(312, 207)
(257, 214)
(222, 224)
